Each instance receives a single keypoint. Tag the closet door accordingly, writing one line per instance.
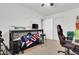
(48, 28)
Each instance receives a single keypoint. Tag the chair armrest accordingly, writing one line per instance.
(67, 38)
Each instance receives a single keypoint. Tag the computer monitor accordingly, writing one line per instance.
(34, 26)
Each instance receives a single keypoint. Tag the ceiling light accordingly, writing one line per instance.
(47, 4)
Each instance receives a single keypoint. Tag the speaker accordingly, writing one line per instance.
(34, 26)
(16, 47)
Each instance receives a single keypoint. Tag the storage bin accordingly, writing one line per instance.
(70, 35)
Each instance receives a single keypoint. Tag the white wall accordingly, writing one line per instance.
(67, 19)
(12, 14)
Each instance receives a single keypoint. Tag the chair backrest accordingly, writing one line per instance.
(60, 35)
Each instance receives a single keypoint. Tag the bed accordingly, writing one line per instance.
(24, 39)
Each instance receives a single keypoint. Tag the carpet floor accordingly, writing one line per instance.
(50, 47)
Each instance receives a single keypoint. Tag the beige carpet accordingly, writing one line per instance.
(49, 48)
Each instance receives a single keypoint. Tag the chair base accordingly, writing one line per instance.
(66, 52)
(61, 51)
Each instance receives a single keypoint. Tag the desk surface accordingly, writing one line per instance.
(26, 30)
(75, 41)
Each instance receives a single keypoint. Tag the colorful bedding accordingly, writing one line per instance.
(29, 40)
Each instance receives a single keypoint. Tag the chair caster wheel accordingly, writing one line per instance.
(58, 51)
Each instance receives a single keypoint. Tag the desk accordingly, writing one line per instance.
(75, 41)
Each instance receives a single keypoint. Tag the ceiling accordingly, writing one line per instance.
(45, 11)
